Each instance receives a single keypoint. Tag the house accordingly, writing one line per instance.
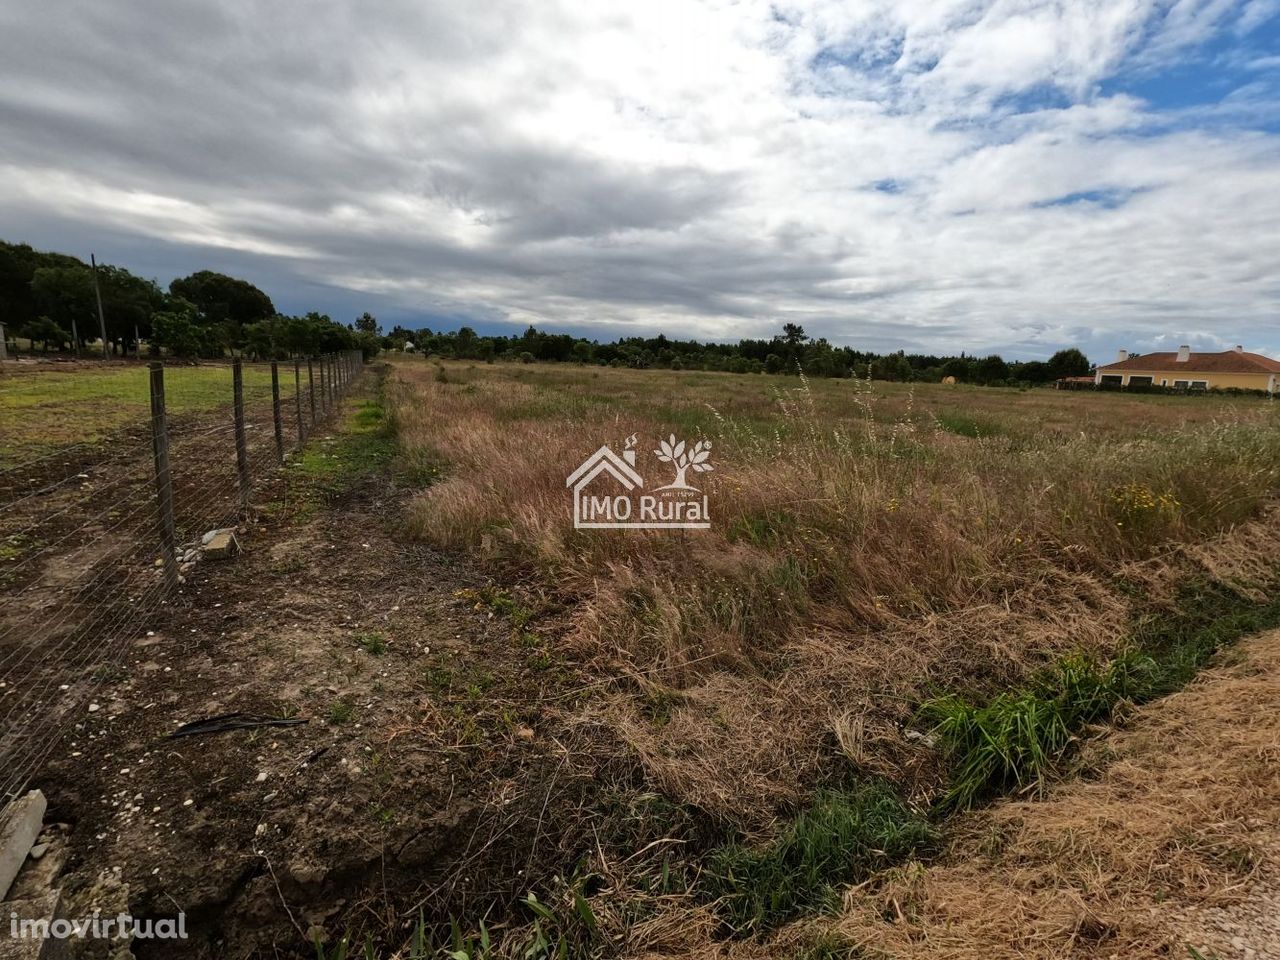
(1184, 370)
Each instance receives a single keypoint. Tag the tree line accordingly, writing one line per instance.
(49, 299)
(790, 352)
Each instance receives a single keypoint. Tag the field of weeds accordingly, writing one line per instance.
(871, 545)
(910, 601)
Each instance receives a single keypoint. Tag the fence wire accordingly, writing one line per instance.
(84, 570)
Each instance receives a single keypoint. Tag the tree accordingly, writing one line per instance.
(992, 369)
(368, 323)
(793, 334)
(224, 302)
(46, 331)
(1068, 363)
(64, 295)
(175, 330)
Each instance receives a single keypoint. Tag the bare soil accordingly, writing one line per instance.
(435, 770)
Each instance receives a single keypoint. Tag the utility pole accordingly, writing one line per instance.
(102, 319)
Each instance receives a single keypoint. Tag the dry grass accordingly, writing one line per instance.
(863, 552)
(1182, 818)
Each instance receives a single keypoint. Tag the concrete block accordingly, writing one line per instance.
(223, 546)
(42, 909)
(20, 824)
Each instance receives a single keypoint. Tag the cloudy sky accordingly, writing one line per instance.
(931, 175)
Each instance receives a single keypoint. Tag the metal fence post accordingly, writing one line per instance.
(297, 396)
(242, 450)
(164, 479)
(275, 410)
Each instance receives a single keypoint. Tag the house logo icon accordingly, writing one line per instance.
(609, 492)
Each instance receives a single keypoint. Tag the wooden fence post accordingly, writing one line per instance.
(311, 387)
(242, 450)
(297, 396)
(324, 388)
(275, 410)
(164, 479)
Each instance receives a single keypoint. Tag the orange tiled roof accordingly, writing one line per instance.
(1229, 361)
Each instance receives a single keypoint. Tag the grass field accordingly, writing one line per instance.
(53, 406)
(837, 505)
(912, 601)
(882, 557)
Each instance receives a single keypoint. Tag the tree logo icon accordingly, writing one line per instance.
(682, 458)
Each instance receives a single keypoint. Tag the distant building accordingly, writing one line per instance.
(1185, 370)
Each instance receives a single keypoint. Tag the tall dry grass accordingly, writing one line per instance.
(862, 550)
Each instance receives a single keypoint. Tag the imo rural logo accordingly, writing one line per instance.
(609, 492)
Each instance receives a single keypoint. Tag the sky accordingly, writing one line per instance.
(926, 175)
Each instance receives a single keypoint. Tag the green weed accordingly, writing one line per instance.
(843, 837)
(341, 711)
(374, 644)
(1013, 742)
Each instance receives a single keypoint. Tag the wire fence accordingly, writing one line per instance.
(98, 536)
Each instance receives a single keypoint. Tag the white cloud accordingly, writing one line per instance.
(882, 172)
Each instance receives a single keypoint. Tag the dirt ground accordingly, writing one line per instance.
(433, 769)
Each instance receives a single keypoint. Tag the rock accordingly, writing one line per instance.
(204, 541)
(38, 851)
(22, 823)
(223, 546)
(307, 871)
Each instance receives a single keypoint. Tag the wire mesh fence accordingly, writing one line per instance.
(96, 534)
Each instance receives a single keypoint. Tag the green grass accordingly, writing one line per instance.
(1013, 742)
(52, 408)
(374, 644)
(361, 445)
(341, 711)
(842, 838)
(966, 426)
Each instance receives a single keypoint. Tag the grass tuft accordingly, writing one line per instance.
(1013, 742)
(843, 837)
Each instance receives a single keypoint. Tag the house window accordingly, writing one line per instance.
(1180, 384)
(1164, 383)
(1199, 384)
(1140, 381)
(1112, 379)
